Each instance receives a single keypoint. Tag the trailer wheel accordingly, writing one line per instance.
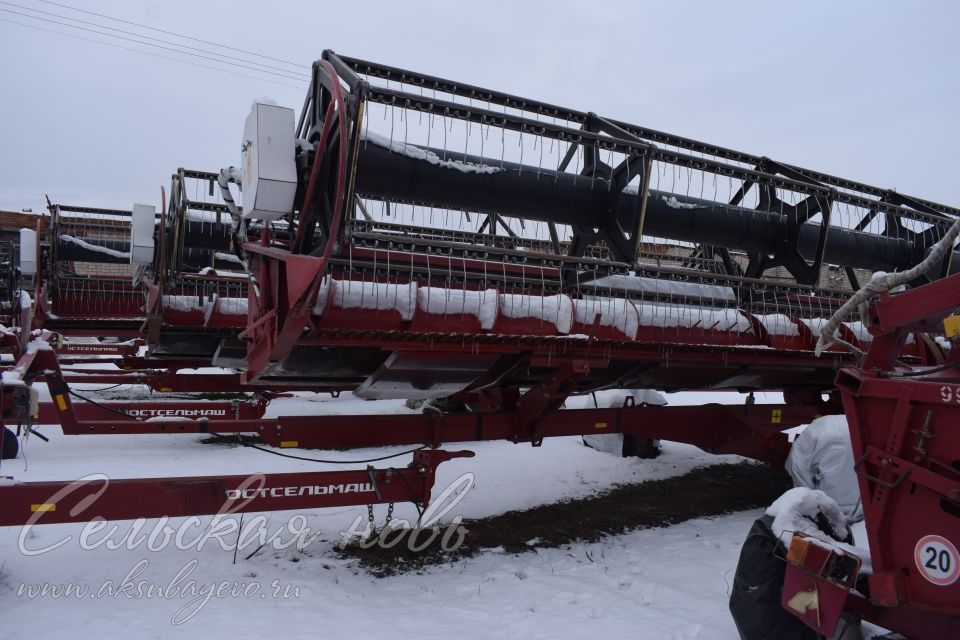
(640, 447)
(10, 445)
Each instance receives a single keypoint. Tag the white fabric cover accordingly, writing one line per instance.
(822, 458)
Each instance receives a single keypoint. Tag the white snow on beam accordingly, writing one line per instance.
(97, 248)
(444, 302)
(557, 309)
(418, 153)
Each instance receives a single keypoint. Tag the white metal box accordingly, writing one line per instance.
(269, 179)
(142, 224)
(28, 252)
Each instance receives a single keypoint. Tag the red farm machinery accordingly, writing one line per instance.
(411, 237)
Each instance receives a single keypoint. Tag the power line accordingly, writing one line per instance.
(140, 42)
(149, 44)
(149, 53)
(170, 33)
(139, 35)
(243, 443)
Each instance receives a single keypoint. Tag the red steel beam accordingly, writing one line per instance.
(754, 431)
(209, 409)
(922, 308)
(96, 495)
(750, 430)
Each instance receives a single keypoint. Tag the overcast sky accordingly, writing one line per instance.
(866, 90)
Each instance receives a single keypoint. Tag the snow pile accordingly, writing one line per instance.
(647, 396)
(822, 458)
(226, 257)
(417, 153)
(12, 378)
(442, 301)
(210, 271)
(232, 306)
(799, 510)
(815, 325)
(125, 255)
(619, 313)
(668, 315)
(38, 344)
(661, 286)
(778, 324)
(859, 331)
(229, 306)
(208, 216)
(673, 203)
(677, 315)
(557, 309)
(184, 303)
(379, 296)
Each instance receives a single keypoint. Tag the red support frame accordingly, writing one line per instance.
(280, 306)
(907, 449)
(751, 430)
(98, 496)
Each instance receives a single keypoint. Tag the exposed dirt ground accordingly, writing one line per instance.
(708, 491)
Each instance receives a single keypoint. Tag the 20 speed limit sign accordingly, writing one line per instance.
(938, 560)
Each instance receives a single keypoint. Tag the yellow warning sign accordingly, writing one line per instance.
(775, 416)
(951, 326)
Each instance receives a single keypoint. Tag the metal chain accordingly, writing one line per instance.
(372, 521)
(373, 526)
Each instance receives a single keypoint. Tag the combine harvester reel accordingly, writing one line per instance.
(398, 245)
(411, 237)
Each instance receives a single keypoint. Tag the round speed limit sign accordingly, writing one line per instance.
(938, 560)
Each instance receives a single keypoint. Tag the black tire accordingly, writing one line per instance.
(10, 445)
(640, 447)
(757, 588)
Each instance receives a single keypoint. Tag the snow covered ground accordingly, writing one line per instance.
(663, 583)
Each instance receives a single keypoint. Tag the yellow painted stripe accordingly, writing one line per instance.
(775, 418)
(44, 507)
(289, 444)
(600, 425)
(61, 402)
